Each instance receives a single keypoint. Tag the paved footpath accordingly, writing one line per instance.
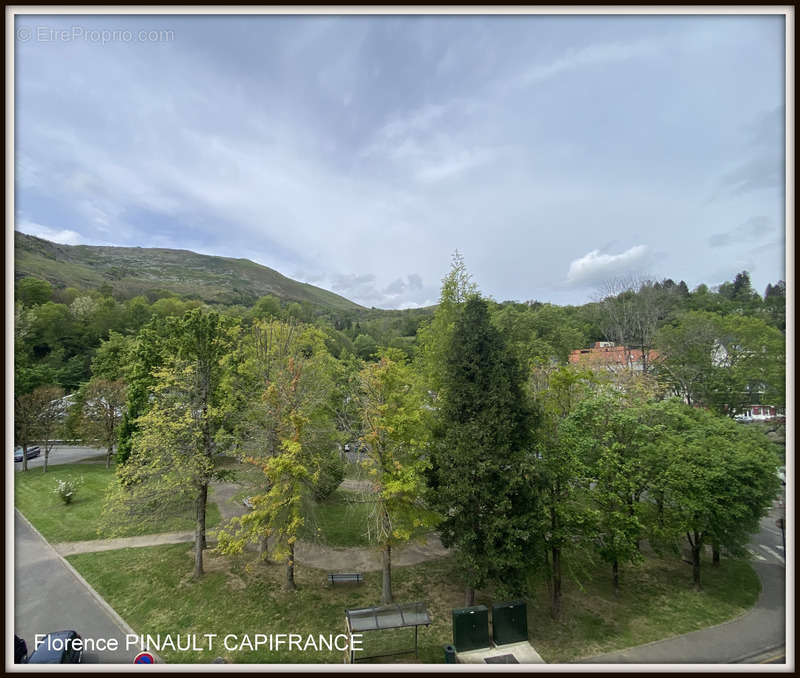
(318, 556)
(70, 548)
(50, 596)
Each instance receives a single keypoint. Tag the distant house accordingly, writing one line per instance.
(759, 413)
(607, 355)
(756, 411)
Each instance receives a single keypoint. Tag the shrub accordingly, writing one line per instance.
(66, 488)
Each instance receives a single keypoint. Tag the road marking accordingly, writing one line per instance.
(778, 546)
(772, 553)
(772, 659)
(756, 555)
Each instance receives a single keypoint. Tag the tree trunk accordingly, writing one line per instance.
(201, 517)
(469, 597)
(696, 565)
(46, 457)
(715, 554)
(198, 534)
(109, 451)
(290, 585)
(636, 500)
(632, 501)
(263, 549)
(386, 598)
(24, 456)
(555, 606)
(548, 572)
(615, 571)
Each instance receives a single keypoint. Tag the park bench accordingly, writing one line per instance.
(345, 577)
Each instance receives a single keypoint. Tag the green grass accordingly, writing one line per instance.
(79, 521)
(657, 600)
(153, 591)
(338, 521)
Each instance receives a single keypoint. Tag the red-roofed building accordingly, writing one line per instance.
(606, 354)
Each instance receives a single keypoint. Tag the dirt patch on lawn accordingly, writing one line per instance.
(357, 559)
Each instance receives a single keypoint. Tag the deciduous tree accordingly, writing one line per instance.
(719, 480)
(37, 416)
(49, 421)
(103, 403)
(175, 445)
(631, 312)
(284, 372)
(724, 362)
(611, 433)
(561, 474)
(395, 437)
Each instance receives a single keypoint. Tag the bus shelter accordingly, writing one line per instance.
(397, 616)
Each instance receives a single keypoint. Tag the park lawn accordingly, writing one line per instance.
(340, 520)
(79, 521)
(153, 591)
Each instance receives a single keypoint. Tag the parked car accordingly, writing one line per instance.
(32, 452)
(20, 650)
(782, 474)
(58, 648)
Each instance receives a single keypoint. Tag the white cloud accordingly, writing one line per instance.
(432, 143)
(365, 290)
(444, 168)
(63, 236)
(414, 123)
(595, 267)
(195, 151)
(592, 55)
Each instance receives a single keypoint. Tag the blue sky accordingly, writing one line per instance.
(357, 153)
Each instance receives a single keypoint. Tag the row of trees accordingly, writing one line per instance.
(515, 460)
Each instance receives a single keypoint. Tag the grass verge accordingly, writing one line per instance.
(153, 591)
(79, 521)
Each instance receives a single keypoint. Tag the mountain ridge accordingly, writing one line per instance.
(132, 271)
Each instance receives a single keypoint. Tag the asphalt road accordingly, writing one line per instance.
(48, 597)
(758, 636)
(63, 454)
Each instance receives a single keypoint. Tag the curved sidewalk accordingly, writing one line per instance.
(754, 633)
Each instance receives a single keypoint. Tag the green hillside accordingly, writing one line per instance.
(132, 271)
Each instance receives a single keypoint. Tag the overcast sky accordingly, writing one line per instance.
(358, 153)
